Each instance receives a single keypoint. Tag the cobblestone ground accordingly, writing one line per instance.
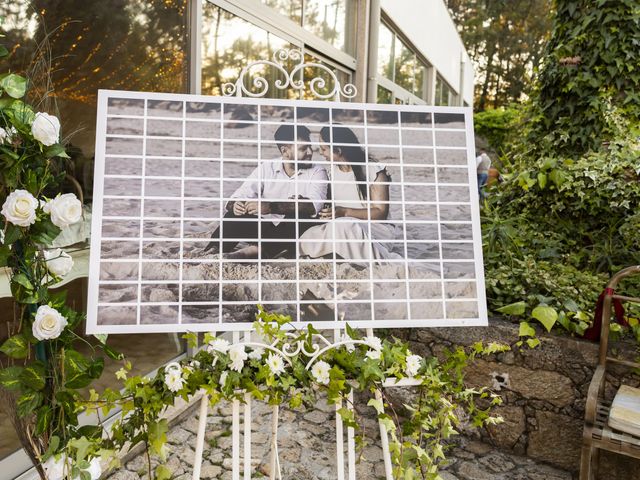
(306, 444)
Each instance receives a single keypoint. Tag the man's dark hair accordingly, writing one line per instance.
(287, 134)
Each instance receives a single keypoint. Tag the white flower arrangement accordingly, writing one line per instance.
(59, 263)
(64, 209)
(48, 324)
(320, 372)
(46, 129)
(20, 208)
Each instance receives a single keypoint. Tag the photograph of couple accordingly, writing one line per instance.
(326, 213)
(297, 207)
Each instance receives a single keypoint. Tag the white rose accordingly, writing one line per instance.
(320, 372)
(46, 129)
(20, 208)
(48, 324)
(64, 210)
(275, 363)
(413, 365)
(237, 355)
(59, 263)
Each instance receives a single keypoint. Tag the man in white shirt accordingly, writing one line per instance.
(483, 164)
(270, 193)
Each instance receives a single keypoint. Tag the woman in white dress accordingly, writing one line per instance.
(360, 192)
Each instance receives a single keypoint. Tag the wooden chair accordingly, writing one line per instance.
(598, 433)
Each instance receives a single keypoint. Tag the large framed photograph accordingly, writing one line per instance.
(332, 213)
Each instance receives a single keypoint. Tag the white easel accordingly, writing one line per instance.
(344, 470)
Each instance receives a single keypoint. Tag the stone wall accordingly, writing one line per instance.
(543, 390)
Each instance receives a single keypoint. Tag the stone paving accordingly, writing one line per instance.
(306, 444)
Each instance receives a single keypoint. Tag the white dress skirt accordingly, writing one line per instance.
(349, 237)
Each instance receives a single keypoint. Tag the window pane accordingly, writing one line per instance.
(139, 45)
(331, 20)
(405, 61)
(384, 95)
(439, 99)
(385, 52)
(420, 76)
(289, 8)
(229, 43)
(310, 73)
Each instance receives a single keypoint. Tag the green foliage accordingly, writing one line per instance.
(591, 60)
(496, 126)
(417, 443)
(43, 376)
(505, 40)
(566, 215)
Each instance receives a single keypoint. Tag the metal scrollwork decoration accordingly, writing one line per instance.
(259, 85)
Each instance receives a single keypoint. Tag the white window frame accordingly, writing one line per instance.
(262, 16)
(397, 91)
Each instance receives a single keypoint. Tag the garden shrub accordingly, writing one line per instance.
(566, 215)
(495, 126)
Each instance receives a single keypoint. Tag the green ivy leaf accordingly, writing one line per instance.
(542, 180)
(28, 402)
(547, 316)
(34, 375)
(44, 231)
(163, 473)
(10, 378)
(81, 445)
(377, 404)
(514, 309)
(533, 342)
(3, 51)
(43, 419)
(22, 279)
(158, 437)
(12, 234)
(111, 353)
(5, 253)
(56, 150)
(90, 431)
(76, 370)
(16, 346)
(526, 330)
(14, 85)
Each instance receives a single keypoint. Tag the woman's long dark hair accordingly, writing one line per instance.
(349, 147)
